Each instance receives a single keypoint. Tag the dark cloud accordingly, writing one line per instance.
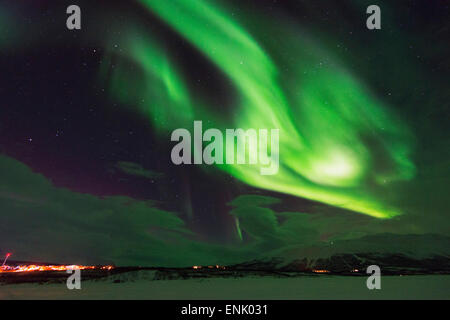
(41, 222)
(135, 169)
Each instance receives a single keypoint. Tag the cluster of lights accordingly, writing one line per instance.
(33, 267)
(320, 271)
(209, 267)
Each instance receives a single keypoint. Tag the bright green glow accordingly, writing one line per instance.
(333, 133)
(336, 168)
(238, 228)
(157, 89)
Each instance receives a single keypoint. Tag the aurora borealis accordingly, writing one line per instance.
(317, 165)
(361, 118)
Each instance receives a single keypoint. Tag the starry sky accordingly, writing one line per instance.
(86, 117)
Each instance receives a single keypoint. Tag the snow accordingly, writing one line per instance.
(248, 288)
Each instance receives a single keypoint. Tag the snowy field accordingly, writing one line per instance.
(306, 287)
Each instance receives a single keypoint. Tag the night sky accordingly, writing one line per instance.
(86, 117)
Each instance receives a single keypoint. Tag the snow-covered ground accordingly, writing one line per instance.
(306, 287)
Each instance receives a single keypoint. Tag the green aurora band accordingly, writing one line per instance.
(338, 144)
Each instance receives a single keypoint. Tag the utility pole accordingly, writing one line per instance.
(6, 258)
